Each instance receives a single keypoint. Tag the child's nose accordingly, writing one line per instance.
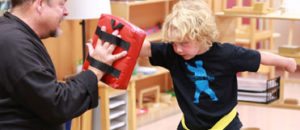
(178, 49)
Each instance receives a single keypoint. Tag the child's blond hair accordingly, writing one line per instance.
(190, 20)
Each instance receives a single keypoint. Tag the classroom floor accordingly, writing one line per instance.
(264, 118)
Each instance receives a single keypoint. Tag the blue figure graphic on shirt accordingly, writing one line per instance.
(201, 80)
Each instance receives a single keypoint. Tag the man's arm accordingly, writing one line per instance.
(289, 64)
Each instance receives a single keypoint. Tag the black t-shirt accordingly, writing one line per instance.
(206, 86)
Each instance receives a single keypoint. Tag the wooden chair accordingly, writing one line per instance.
(153, 90)
(248, 35)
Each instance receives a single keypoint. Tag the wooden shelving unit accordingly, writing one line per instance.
(227, 23)
(116, 111)
(116, 108)
(231, 19)
(272, 15)
(141, 2)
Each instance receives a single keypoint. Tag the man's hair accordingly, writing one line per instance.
(190, 20)
(15, 3)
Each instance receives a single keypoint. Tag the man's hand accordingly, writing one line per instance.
(103, 53)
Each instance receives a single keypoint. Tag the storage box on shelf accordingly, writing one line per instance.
(281, 102)
(261, 92)
(258, 90)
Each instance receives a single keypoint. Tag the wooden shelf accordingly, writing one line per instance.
(258, 104)
(143, 13)
(155, 36)
(114, 111)
(295, 56)
(155, 113)
(246, 40)
(160, 71)
(275, 104)
(116, 103)
(139, 2)
(272, 15)
(117, 124)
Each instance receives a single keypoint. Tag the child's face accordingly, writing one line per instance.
(186, 49)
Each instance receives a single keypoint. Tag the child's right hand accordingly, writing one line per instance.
(291, 65)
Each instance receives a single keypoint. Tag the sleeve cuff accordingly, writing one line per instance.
(92, 87)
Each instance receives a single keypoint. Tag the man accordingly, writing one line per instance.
(31, 98)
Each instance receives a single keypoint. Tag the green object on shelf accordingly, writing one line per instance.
(171, 92)
(134, 72)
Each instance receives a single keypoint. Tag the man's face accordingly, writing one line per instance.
(54, 13)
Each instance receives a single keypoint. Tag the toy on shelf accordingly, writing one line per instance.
(141, 111)
(154, 29)
(146, 70)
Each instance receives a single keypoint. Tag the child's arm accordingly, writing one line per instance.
(146, 49)
(289, 64)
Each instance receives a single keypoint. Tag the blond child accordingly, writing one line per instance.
(204, 70)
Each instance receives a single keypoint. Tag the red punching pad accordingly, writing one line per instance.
(131, 40)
